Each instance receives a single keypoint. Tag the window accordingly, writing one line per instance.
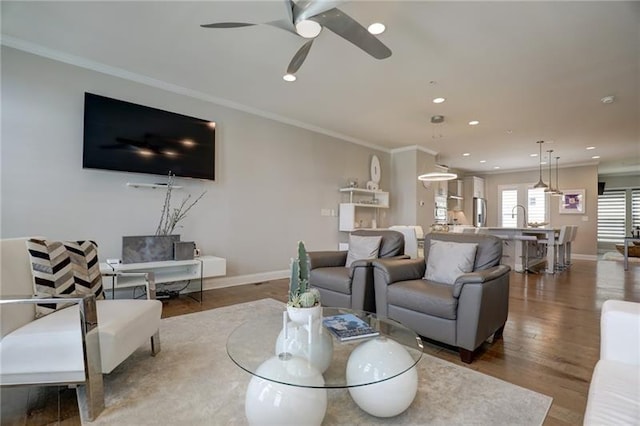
(635, 207)
(534, 199)
(509, 199)
(611, 216)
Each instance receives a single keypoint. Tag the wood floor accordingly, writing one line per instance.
(550, 345)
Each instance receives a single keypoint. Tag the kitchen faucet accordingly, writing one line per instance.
(524, 210)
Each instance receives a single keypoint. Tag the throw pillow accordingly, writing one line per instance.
(64, 268)
(448, 260)
(362, 248)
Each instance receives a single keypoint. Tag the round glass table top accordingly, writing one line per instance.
(258, 346)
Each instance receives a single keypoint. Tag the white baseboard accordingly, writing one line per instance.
(222, 282)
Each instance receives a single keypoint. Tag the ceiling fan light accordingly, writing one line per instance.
(437, 176)
(289, 77)
(308, 28)
(376, 28)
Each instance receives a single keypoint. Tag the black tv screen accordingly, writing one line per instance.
(127, 137)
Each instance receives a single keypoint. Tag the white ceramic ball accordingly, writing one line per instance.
(376, 360)
(319, 352)
(270, 403)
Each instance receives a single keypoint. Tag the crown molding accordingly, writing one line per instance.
(413, 148)
(81, 62)
(536, 169)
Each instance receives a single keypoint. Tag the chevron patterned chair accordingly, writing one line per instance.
(66, 333)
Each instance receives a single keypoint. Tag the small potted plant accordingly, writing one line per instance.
(303, 301)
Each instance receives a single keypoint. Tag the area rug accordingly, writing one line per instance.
(192, 381)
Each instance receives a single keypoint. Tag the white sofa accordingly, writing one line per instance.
(53, 349)
(614, 393)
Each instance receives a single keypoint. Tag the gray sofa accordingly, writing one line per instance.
(351, 287)
(463, 313)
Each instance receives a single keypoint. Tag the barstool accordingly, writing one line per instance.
(526, 240)
(561, 246)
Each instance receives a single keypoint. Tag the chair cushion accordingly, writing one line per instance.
(64, 268)
(614, 394)
(448, 260)
(49, 349)
(424, 296)
(335, 278)
(362, 248)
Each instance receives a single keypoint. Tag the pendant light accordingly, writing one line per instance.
(557, 193)
(540, 183)
(439, 174)
(549, 189)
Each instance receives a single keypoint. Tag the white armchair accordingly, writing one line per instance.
(614, 392)
(74, 345)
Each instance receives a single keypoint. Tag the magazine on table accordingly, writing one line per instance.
(348, 327)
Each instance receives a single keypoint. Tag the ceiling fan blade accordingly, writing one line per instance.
(283, 24)
(228, 25)
(350, 30)
(299, 57)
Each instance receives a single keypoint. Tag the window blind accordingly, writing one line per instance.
(509, 198)
(611, 216)
(635, 207)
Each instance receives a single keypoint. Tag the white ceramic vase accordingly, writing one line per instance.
(375, 360)
(316, 345)
(301, 315)
(268, 402)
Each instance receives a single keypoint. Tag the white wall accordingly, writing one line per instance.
(272, 179)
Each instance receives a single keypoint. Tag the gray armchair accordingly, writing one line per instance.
(464, 313)
(351, 287)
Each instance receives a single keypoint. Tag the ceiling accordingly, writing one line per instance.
(526, 71)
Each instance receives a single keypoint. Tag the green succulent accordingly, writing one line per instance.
(300, 294)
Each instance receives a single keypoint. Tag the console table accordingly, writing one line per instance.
(165, 272)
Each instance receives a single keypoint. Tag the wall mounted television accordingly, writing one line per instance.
(127, 137)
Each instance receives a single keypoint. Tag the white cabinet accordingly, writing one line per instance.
(361, 211)
(474, 187)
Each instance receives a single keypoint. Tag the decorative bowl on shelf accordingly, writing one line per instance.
(537, 224)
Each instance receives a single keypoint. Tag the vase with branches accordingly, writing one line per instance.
(171, 216)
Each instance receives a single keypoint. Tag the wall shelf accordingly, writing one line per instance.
(151, 185)
(361, 198)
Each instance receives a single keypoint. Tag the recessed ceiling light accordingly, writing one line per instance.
(438, 100)
(595, 157)
(474, 123)
(289, 77)
(509, 131)
(533, 155)
(608, 99)
(483, 161)
(466, 154)
(496, 167)
(543, 162)
(589, 148)
(376, 28)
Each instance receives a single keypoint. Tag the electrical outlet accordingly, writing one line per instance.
(334, 213)
(325, 212)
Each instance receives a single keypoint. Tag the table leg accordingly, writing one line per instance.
(551, 257)
(626, 254)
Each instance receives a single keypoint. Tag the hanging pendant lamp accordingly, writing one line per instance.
(558, 193)
(549, 190)
(540, 183)
(439, 173)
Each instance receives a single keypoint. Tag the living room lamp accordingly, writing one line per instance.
(540, 183)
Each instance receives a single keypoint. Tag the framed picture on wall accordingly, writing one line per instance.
(572, 201)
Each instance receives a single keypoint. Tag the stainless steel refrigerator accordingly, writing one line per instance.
(479, 212)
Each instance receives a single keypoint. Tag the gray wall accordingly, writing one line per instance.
(585, 177)
(272, 179)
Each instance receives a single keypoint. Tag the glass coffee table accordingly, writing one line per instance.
(291, 371)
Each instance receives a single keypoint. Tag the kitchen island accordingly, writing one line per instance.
(520, 244)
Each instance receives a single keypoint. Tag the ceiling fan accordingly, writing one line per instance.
(306, 18)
